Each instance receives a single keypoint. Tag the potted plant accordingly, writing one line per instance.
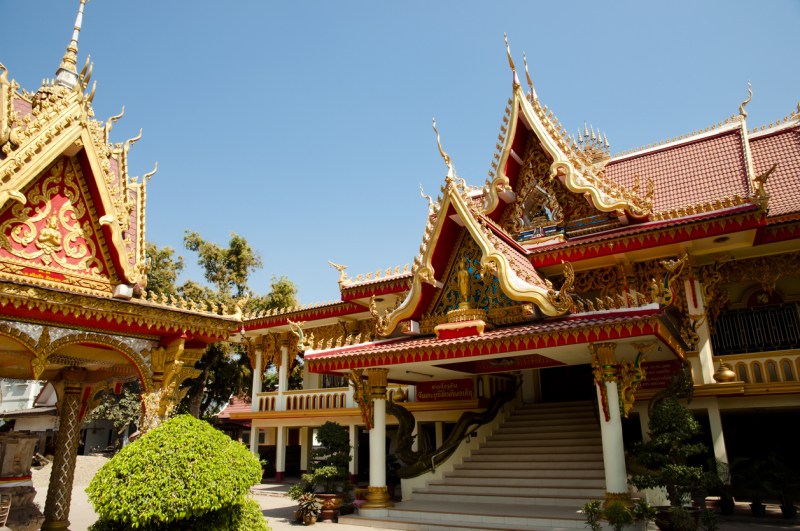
(785, 483)
(718, 479)
(662, 462)
(755, 479)
(617, 513)
(310, 507)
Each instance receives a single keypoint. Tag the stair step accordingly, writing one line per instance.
(556, 499)
(534, 435)
(534, 450)
(553, 464)
(492, 482)
(534, 443)
(513, 472)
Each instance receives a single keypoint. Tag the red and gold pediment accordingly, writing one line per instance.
(37, 133)
(460, 241)
(53, 238)
(577, 167)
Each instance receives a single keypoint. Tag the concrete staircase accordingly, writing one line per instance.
(533, 473)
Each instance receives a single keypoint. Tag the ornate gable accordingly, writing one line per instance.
(578, 166)
(39, 132)
(462, 247)
(53, 238)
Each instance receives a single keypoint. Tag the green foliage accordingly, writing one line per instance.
(332, 456)
(122, 410)
(181, 473)
(163, 269)
(593, 512)
(618, 515)
(309, 504)
(642, 510)
(709, 520)
(681, 519)
(662, 461)
(226, 268)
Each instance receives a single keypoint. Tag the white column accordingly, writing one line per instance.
(606, 375)
(697, 312)
(377, 495)
(256, 381)
(528, 387)
(353, 466)
(254, 439)
(438, 434)
(280, 453)
(305, 447)
(283, 380)
(613, 447)
(717, 437)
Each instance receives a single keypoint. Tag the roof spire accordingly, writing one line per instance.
(528, 77)
(742, 112)
(511, 61)
(443, 153)
(67, 74)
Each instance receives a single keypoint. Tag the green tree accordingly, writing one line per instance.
(122, 410)
(163, 269)
(225, 367)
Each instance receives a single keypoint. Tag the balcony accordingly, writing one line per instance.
(764, 329)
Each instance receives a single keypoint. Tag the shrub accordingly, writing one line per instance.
(182, 475)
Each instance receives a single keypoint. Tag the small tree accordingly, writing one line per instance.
(182, 475)
(121, 410)
(332, 456)
(663, 460)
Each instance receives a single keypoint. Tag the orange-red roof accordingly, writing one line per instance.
(699, 171)
(783, 186)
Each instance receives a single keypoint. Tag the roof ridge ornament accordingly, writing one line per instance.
(451, 172)
(511, 62)
(67, 74)
(528, 78)
(742, 112)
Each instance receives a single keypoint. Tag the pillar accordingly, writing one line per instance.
(280, 453)
(283, 378)
(606, 372)
(438, 428)
(305, 447)
(717, 437)
(257, 375)
(377, 495)
(353, 465)
(254, 440)
(697, 313)
(59, 492)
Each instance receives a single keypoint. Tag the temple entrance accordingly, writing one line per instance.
(566, 384)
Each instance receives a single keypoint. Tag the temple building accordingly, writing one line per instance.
(512, 365)
(74, 310)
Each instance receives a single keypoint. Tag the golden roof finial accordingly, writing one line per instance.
(511, 61)
(742, 112)
(442, 152)
(67, 73)
(528, 77)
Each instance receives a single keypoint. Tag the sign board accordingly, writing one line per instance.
(463, 389)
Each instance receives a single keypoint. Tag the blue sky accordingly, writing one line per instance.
(305, 125)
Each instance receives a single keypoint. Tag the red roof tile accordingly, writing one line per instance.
(783, 186)
(236, 405)
(687, 174)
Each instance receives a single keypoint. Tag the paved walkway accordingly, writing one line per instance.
(279, 508)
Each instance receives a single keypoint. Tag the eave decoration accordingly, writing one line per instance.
(579, 168)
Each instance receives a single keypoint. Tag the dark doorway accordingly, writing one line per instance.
(565, 384)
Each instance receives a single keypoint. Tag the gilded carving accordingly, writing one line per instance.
(54, 225)
(605, 369)
(363, 396)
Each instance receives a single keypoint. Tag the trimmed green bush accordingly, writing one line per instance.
(182, 475)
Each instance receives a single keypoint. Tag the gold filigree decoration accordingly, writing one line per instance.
(631, 375)
(605, 369)
(362, 396)
(605, 280)
(561, 299)
(54, 225)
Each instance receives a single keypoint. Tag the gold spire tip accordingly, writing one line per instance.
(442, 152)
(742, 112)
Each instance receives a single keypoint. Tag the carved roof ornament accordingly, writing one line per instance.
(342, 269)
(511, 64)
(742, 112)
(528, 78)
(67, 73)
(451, 172)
